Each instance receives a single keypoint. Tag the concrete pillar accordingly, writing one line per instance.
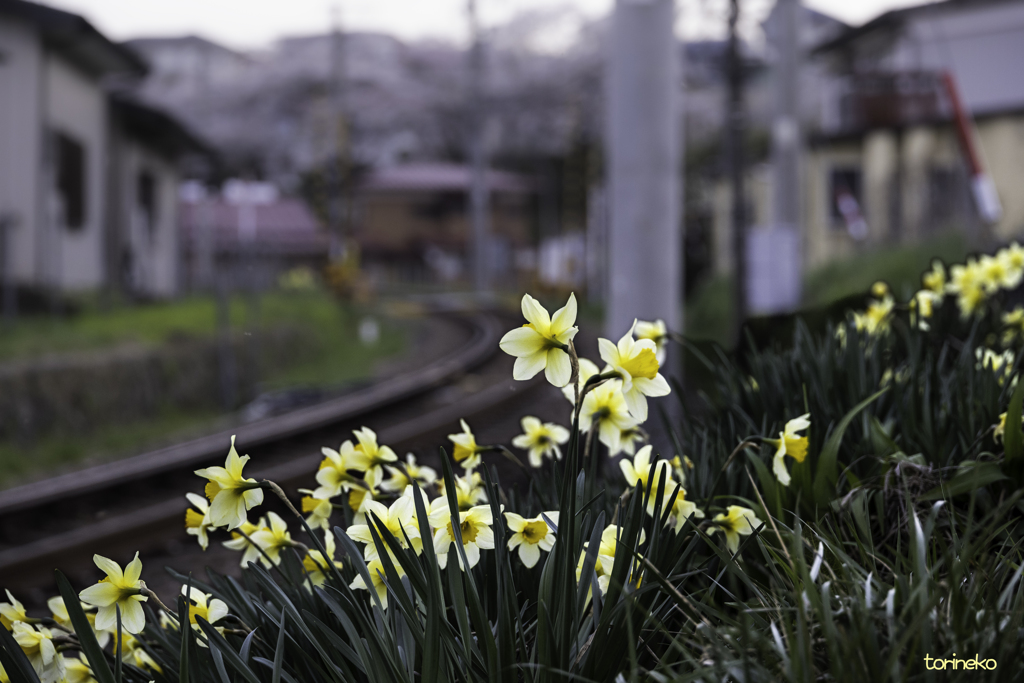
(643, 149)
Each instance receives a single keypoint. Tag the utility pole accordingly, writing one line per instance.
(645, 250)
(337, 205)
(735, 134)
(479, 200)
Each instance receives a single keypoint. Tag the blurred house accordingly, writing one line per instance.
(413, 222)
(88, 177)
(247, 235)
(883, 163)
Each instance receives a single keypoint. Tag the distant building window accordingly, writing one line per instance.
(146, 198)
(845, 201)
(70, 158)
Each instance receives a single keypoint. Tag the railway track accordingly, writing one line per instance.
(139, 503)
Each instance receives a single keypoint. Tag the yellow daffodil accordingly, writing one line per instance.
(735, 522)
(1000, 428)
(531, 536)
(966, 282)
(316, 564)
(204, 606)
(124, 590)
(539, 344)
(587, 370)
(272, 539)
(399, 519)
(999, 363)
(469, 490)
(998, 273)
(680, 466)
(682, 509)
(368, 456)
(630, 438)
(474, 525)
(59, 612)
(638, 473)
(879, 289)
(922, 307)
(376, 570)
(875, 320)
(333, 475)
(197, 521)
(243, 542)
(935, 279)
(37, 644)
(605, 559)
(605, 408)
(1013, 321)
(133, 653)
(78, 670)
(399, 479)
(466, 451)
(11, 612)
(360, 496)
(541, 439)
(318, 509)
(230, 494)
(792, 444)
(636, 363)
(657, 332)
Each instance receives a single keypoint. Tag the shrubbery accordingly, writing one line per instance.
(844, 508)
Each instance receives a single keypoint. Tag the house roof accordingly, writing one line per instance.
(284, 226)
(440, 177)
(77, 39)
(157, 128)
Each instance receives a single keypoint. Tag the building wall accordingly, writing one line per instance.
(20, 143)
(73, 259)
(1002, 147)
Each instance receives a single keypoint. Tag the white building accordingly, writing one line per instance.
(88, 179)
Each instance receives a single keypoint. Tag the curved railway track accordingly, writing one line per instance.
(138, 503)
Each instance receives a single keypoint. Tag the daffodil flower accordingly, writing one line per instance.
(59, 612)
(999, 430)
(78, 670)
(37, 644)
(935, 279)
(474, 525)
(587, 370)
(636, 363)
(604, 562)
(369, 456)
(375, 568)
(251, 551)
(466, 451)
(541, 439)
(230, 494)
(332, 475)
(398, 479)
(198, 522)
(205, 606)
(540, 343)
(604, 408)
(792, 444)
(133, 653)
(630, 438)
(11, 612)
(272, 539)
(875, 320)
(318, 509)
(531, 536)
(469, 490)
(657, 332)
(397, 519)
(735, 522)
(966, 281)
(359, 497)
(315, 563)
(638, 473)
(682, 510)
(998, 273)
(119, 589)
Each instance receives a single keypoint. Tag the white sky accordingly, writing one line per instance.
(247, 24)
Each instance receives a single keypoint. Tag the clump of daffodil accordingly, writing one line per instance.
(400, 477)
(316, 564)
(333, 473)
(531, 535)
(230, 494)
(966, 281)
(399, 519)
(636, 364)
(204, 606)
(469, 490)
(541, 439)
(119, 590)
(368, 456)
(375, 568)
(604, 408)
(790, 443)
(37, 644)
(999, 363)
(935, 279)
(736, 521)
(241, 539)
(197, 521)
(542, 343)
(474, 526)
(657, 332)
(648, 476)
(272, 539)
(318, 509)
(465, 450)
(12, 612)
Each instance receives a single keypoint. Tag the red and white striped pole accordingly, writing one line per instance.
(984, 190)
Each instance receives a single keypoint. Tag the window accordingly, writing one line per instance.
(845, 201)
(70, 158)
(146, 199)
